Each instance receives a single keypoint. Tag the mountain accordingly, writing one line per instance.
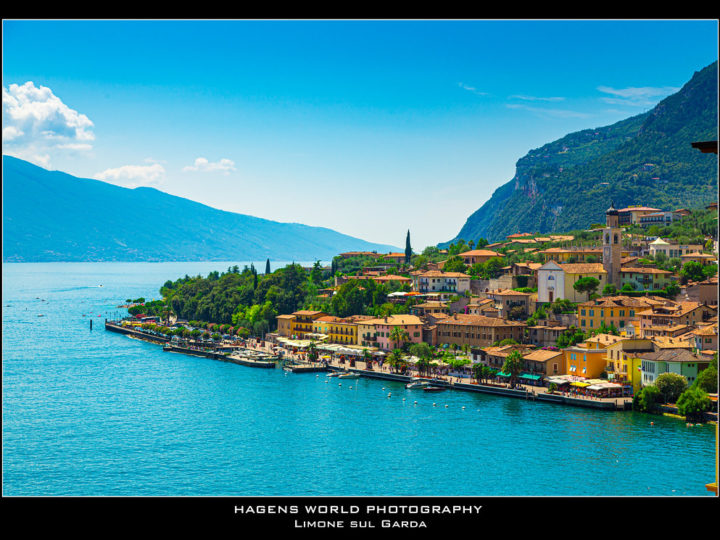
(53, 216)
(644, 160)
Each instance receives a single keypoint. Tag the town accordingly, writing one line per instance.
(615, 313)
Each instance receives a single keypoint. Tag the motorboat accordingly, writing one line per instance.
(349, 375)
(431, 388)
(418, 383)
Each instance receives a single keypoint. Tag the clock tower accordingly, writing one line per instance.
(612, 245)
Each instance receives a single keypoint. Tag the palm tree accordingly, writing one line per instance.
(514, 364)
(398, 335)
(367, 357)
(312, 352)
(396, 360)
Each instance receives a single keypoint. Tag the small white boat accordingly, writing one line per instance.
(349, 376)
(420, 383)
(333, 374)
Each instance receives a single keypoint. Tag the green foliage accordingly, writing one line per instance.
(455, 264)
(648, 399)
(586, 284)
(490, 269)
(571, 336)
(514, 364)
(707, 379)
(693, 402)
(646, 158)
(609, 290)
(671, 385)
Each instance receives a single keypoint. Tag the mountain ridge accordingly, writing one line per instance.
(644, 159)
(54, 216)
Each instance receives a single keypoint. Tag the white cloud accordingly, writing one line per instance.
(202, 164)
(472, 89)
(36, 123)
(132, 176)
(636, 97)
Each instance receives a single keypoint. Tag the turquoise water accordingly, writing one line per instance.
(91, 413)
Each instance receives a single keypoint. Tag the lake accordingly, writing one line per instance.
(93, 413)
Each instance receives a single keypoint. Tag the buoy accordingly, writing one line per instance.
(652, 423)
(434, 404)
(415, 402)
(446, 406)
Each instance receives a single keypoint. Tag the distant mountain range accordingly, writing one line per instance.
(644, 160)
(53, 216)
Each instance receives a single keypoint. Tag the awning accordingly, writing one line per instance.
(580, 384)
(530, 376)
(501, 374)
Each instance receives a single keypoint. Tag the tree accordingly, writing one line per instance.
(267, 266)
(648, 398)
(396, 360)
(514, 364)
(455, 264)
(398, 335)
(707, 379)
(671, 385)
(609, 290)
(408, 249)
(692, 271)
(586, 284)
(693, 402)
(312, 353)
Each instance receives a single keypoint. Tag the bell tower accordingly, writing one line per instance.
(612, 245)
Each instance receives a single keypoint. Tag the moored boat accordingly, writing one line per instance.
(418, 383)
(434, 388)
(349, 375)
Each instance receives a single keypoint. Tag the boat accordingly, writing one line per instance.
(349, 375)
(434, 389)
(333, 374)
(417, 383)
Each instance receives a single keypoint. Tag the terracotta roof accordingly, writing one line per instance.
(541, 355)
(583, 268)
(509, 292)
(438, 273)
(480, 253)
(644, 270)
(478, 320)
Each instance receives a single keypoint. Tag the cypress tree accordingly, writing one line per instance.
(408, 249)
(267, 266)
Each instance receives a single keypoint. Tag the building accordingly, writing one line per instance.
(632, 214)
(571, 255)
(544, 335)
(545, 362)
(673, 318)
(412, 326)
(555, 281)
(623, 363)
(477, 330)
(441, 282)
(505, 300)
(302, 324)
(679, 361)
(612, 246)
(645, 278)
(672, 251)
(585, 362)
(285, 325)
(478, 256)
(660, 218)
(614, 311)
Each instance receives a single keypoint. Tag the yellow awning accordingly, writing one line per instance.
(580, 384)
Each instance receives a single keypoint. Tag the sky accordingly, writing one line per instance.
(371, 128)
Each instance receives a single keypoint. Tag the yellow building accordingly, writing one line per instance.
(285, 324)
(623, 365)
(584, 362)
(303, 322)
(615, 311)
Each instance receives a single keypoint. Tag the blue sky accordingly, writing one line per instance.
(367, 127)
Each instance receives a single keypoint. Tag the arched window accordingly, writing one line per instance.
(615, 239)
(551, 277)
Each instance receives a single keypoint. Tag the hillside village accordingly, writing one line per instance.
(608, 315)
(626, 309)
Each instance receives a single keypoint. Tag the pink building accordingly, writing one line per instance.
(411, 324)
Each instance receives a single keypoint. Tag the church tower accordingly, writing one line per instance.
(612, 245)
